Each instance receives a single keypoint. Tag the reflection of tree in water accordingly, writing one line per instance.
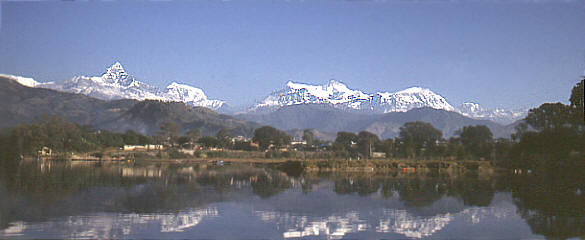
(307, 183)
(33, 192)
(473, 191)
(552, 204)
(420, 192)
(363, 186)
(267, 185)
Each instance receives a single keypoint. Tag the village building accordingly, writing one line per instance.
(148, 147)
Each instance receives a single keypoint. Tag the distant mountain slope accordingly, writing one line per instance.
(147, 116)
(327, 118)
(21, 104)
(448, 122)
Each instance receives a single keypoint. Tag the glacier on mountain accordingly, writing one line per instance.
(474, 110)
(25, 81)
(337, 94)
(116, 83)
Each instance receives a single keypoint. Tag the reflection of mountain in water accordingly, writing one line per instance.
(115, 225)
(396, 221)
(400, 221)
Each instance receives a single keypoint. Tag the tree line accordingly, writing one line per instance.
(62, 136)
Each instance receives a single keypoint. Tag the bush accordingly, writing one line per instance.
(273, 154)
(221, 154)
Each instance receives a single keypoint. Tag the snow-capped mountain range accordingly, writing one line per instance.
(474, 110)
(337, 94)
(116, 83)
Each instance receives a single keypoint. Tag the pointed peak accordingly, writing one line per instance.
(116, 74)
(174, 84)
(117, 65)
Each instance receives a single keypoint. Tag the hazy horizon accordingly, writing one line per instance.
(516, 54)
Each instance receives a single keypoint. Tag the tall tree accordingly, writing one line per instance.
(209, 141)
(548, 116)
(559, 139)
(170, 130)
(193, 135)
(308, 137)
(267, 135)
(477, 140)
(419, 138)
(344, 142)
(577, 107)
(367, 143)
(224, 136)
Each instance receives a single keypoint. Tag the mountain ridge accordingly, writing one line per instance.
(115, 83)
(337, 94)
(21, 104)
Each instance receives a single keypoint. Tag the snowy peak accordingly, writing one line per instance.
(470, 107)
(27, 82)
(117, 75)
(116, 83)
(474, 110)
(414, 97)
(339, 95)
(191, 95)
(183, 90)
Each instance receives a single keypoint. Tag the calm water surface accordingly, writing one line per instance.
(242, 201)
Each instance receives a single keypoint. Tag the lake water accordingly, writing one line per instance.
(244, 201)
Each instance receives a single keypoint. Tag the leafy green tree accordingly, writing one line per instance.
(502, 148)
(559, 139)
(367, 143)
(548, 116)
(209, 142)
(267, 135)
(171, 131)
(62, 136)
(477, 140)
(183, 140)
(419, 138)
(344, 144)
(308, 137)
(388, 147)
(224, 136)
(130, 137)
(193, 135)
(577, 107)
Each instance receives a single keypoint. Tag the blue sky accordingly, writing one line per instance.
(511, 54)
